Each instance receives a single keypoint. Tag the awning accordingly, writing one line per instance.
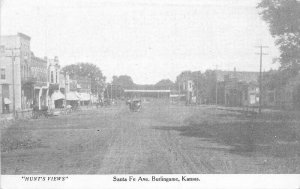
(94, 98)
(7, 101)
(176, 95)
(57, 95)
(85, 97)
(73, 96)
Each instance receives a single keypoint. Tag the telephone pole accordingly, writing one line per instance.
(1, 1)
(216, 85)
(111, 92)
(13, 57)
(260, 76)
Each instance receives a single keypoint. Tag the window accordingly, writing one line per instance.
(51, 77)
(2, 73)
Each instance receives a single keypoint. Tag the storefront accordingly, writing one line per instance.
(57, 99)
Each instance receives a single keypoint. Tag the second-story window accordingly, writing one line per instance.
(2, 73)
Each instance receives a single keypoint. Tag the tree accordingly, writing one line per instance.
(274, 79)
(118, 84)
(283, 17)
(124, 81)
(165, 84)
(83, 70)
(86, 70)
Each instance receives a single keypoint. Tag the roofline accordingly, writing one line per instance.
(148, 91)
(237, 71)
(24, 36)
(18, 34)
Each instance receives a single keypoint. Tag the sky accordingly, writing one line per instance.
(148, 40)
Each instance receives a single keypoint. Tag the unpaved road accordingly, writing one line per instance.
(113, 140)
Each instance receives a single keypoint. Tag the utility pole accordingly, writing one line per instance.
(97, 90)
(111, 92)
(197, 87)
(91, 92)
(106, 89)
(260, 76)
(13, 57)
(1, 1)
(216, 85)
(66, 87)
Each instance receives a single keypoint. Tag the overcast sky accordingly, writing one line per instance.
(148, 40)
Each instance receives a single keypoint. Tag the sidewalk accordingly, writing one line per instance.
(255, 109)
(244, 109)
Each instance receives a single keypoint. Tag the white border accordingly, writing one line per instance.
(213, 181)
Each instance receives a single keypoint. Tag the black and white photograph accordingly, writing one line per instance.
(150, 93)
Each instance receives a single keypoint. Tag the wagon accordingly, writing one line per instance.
(135, 105)
(36, 112)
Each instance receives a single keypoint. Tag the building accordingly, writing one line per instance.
(239, 94)
(251, 94)
(241, 76)
(16, 83)
(4, 83)
(237, 88)
(64, 81)
(56, 97)
(39, 71)
(53, 71)
(186, 86)
(84, 89)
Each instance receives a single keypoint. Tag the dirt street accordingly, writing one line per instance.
(162, 138)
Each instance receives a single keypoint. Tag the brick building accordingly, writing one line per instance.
(237, 88)
(15, 72)
(38, 68)
(186, 86)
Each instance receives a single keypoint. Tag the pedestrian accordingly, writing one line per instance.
(6, 105)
